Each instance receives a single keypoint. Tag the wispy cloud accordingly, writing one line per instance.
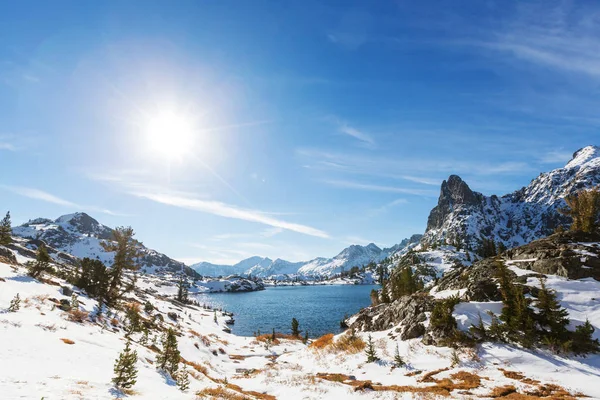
(557, 156)
(41, 195)
(226, 210)
(379, 188)
(357, 134)
(7, 146)
(386, 207)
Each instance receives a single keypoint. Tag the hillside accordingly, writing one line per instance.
(80, 235)
(464, 216)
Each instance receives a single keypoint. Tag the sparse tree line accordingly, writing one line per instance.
(538, 322)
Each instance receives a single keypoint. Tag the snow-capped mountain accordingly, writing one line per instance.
(464, 216)
(353, 256)
(80, 235)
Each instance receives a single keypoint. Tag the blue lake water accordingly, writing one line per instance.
(318, 308)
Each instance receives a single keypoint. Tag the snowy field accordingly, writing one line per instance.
(37, 360)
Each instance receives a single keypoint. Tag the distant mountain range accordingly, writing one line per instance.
(352, 256)
(464, 216)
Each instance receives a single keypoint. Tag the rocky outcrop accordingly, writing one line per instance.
(7, 256)
(573, 255)
(407, 314)
(478, 281)
(464, 216)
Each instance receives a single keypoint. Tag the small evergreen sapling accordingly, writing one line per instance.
(215, 317)
(5, 230)
(370, 351)
(295, 325)
(168, 359)
(125, 369)
(583, 341)
(41, 264)
(398, 361)
(15, 304)
(183, 379)
(74, 302)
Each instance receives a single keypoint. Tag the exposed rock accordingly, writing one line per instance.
(66, 291)
(573, 255)
(65, 305)
(464, 216)
(478, 280)
(406, 313)
(172, 316)
(7, 256)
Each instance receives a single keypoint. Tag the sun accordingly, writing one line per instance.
(170, 134)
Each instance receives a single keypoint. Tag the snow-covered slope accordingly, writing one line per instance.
(353, 256)
(80, 235)
(464, 216)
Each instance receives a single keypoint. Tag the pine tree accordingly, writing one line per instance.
(370, 351)
(169, 357)
(183, 379)
(126, 254)
(583, 340)
(295, 325)
(182, 289)
(5, 230)
(215, 318)
(551, 317)
(41, 264)
(398, 361)
(479, 330)
(273, 337)
(125, 369)
(584, 209)
(15, 304)
(305, 340)
(93, 277)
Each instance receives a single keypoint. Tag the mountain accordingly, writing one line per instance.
(80, 235)
(353, 256)
(464, 216)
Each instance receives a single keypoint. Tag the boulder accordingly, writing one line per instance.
(66, 291)
(407, 314)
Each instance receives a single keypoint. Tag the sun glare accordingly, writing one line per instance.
(170, 134)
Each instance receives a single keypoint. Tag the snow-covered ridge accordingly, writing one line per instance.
(464, 216)
(80, 235)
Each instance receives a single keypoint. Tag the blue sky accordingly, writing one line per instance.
(316, 124)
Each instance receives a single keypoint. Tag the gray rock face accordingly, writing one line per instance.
(531, 213)
(573, 255)
(479, 280)
(454, 192)
(406, 313)
(7, 256)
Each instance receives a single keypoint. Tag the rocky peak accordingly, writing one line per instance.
(82, 223)
(454, 192)
(583, 155)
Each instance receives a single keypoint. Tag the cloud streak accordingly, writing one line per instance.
(357, 134)
(379, 188)
(41, 195)
(228, 211)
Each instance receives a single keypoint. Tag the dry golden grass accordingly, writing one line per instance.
(77, 316)
(266, 338)
(135, 306)
(350, 344)
(198, 367)
(322, 342)
(461, 380)
(502, 391)
(428, 377)
(237, 357)
(67, 341)
(219, 393)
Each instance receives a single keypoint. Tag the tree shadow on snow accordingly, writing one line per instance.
(22, 278)
(117, 393)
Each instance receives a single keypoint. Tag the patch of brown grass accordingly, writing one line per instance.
(114, 322)
(219, 393)
(79, 316)
(322, 342)
(67, 341)
(135, 306)
(237, 357)
(198, 367)
(266, 338)
(350, 344)
(428, 377)
(502, 391)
